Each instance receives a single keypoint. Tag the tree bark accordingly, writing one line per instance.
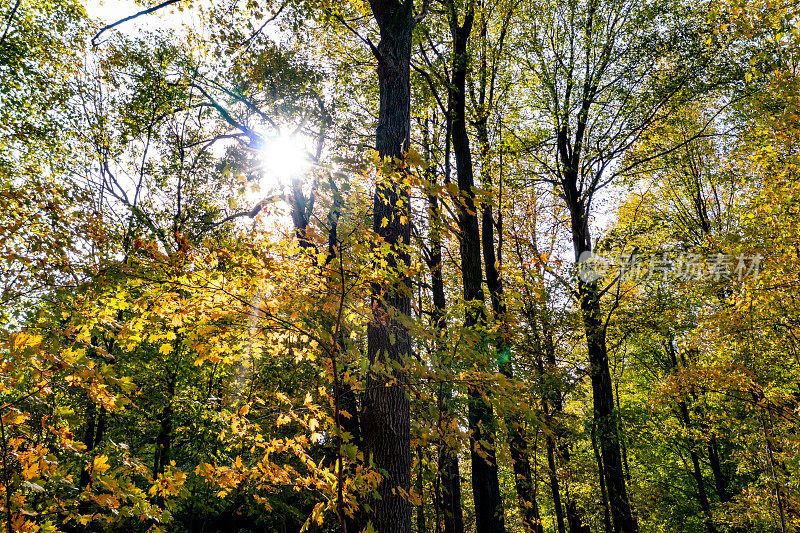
(720, 479)
(88, 437)
(697, 473)
(95, 420)
(386, 422)
(449, 499)
(604, 411)
(345, 400)
(420, 491)
(485, 483)
(558, 449)
(552, 475)
(517, 440)
(607, 527)
(588, 292)
(164, 438)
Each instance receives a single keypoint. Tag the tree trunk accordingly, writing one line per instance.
(720, 479)
(697, 472)
(164, 438)
(552, 475)
(517, 441)
(345, 399)
(575, 516)
(607, 527)
(604, 412)
(420, 492)
(552, 405)
(485, 484)
(88, 438)
(605, 415)
(529, 508)
(449, 499)
(386, 422)
(95, 427)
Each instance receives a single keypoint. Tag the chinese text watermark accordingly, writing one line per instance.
(682, 266)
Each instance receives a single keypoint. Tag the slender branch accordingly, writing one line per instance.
(421, 15)
(135, 15)
(249, 214)
(363, 39)
(431, 85)
(249, 40)
(10, 20)
(245, 100)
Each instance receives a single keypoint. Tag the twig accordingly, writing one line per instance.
(249, 40)
(135, 15)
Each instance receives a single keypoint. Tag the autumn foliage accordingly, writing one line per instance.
(565, 300)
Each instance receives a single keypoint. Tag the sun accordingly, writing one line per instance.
(284, 159)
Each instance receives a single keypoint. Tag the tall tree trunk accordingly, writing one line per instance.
(485, 483)
(88, 437)
(603, 493)
(517, 441)
(420, 491)
(551, 404)
(604, 411)
(720, 478)
(345, 399)
(552, 475)
(769, 445)
(164, 438)
(386, 418)
(605, 415)
(449, 475)
(575, 516)
(449, 499)
(578, 195)
(576, 519)
(101, 427)
(697, 473)
(558, 450)
(526, 491)
(95, 420)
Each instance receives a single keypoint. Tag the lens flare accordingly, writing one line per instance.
(283, 159)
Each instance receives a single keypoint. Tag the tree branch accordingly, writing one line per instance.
(249, 40)
(10, 20)
(135, 15)
(365, 40)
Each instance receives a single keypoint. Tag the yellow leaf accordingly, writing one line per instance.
(14, 417)
(100, 464)
(414, 159)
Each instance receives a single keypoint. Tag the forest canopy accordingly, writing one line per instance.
(452, 266)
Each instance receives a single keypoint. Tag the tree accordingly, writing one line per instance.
(385, 412)
(610, 77)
